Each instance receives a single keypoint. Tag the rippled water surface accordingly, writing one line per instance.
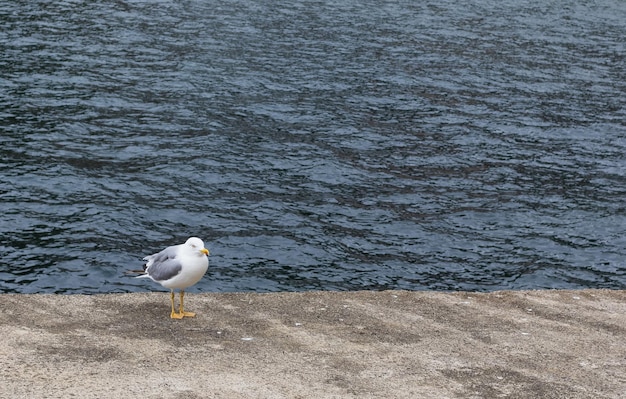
(337, 145)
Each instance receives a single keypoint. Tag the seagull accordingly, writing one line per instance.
(177, 267)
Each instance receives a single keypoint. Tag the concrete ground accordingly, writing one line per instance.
(392, 344)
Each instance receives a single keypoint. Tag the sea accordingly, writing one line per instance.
(314, 145)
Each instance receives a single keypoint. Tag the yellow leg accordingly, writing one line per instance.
(182, 312)
(174, 315)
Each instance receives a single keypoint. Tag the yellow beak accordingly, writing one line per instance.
(205, 251)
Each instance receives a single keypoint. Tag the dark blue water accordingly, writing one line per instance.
(336, 145)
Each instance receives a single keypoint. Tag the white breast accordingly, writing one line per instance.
(193, 268)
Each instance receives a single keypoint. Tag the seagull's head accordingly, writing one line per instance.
(197, 246)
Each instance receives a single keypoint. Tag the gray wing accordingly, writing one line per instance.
(163, 265)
